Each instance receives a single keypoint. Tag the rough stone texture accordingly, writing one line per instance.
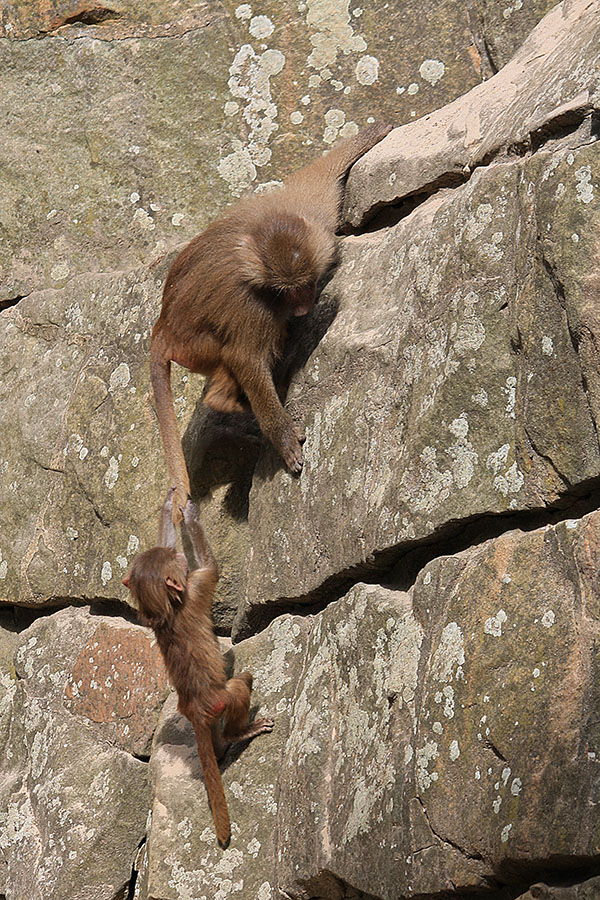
(82, 473)
(586, 890)
(123, 165)
(73, 798)
(437, 739)
(504, 26)
(551, 82)
(436, 732)
(81, 467)
(437, 393)
(155, 115)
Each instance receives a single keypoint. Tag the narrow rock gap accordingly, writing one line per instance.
(444, 840)
(11, 301)
(85, 493)
(560, 293)
(477, 29)
(491, 746)
(134, 872)
(566, 124)
(398, 567)
(95, 15)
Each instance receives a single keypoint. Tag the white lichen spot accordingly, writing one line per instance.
(244, 11)
(425, 756)
(494, 624)
(250, 81)
(478, 222)
(431, 70)
(367, 70)
(3, 568)
(296, 118)
(584, 186)
(134, 197)
(112, 473)
(449, 657)
(100, 786)
(261, 27)
(107, 573)
(505, 833)
(575, 237)
(511, 482)
(335, 117)
(133, 544)
(437, 728)
(454, 750)
(177, 219)
(480, 398)
(333, 33)
(144, 219)
(349, 130)
(463, 455)
(265, 891)
(59, 271)
(548, 618)
(413, 88)
(515, 787)
(496, 461)
(547, 345)
(511, 393)
(120, 377)
(122, 561)
(408, 754)
(253, 847)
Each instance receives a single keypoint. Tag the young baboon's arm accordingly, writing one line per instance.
(166, 529)
(202, 552)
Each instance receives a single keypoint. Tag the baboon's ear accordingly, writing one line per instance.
(173, 583)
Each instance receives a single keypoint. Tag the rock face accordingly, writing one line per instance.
(420, 609)
(73, 794)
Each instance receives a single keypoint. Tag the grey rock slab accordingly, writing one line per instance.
(82, 471)
(438, 392)
(551, 82)
(444, 738)
(73, 805)
(127, 130)
(81, 468)
(502, 27)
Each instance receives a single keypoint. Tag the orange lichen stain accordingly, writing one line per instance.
(119, 678)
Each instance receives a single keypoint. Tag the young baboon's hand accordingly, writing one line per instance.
(190, 512)
(179, 499)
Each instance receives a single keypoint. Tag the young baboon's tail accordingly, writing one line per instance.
(212, 779)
